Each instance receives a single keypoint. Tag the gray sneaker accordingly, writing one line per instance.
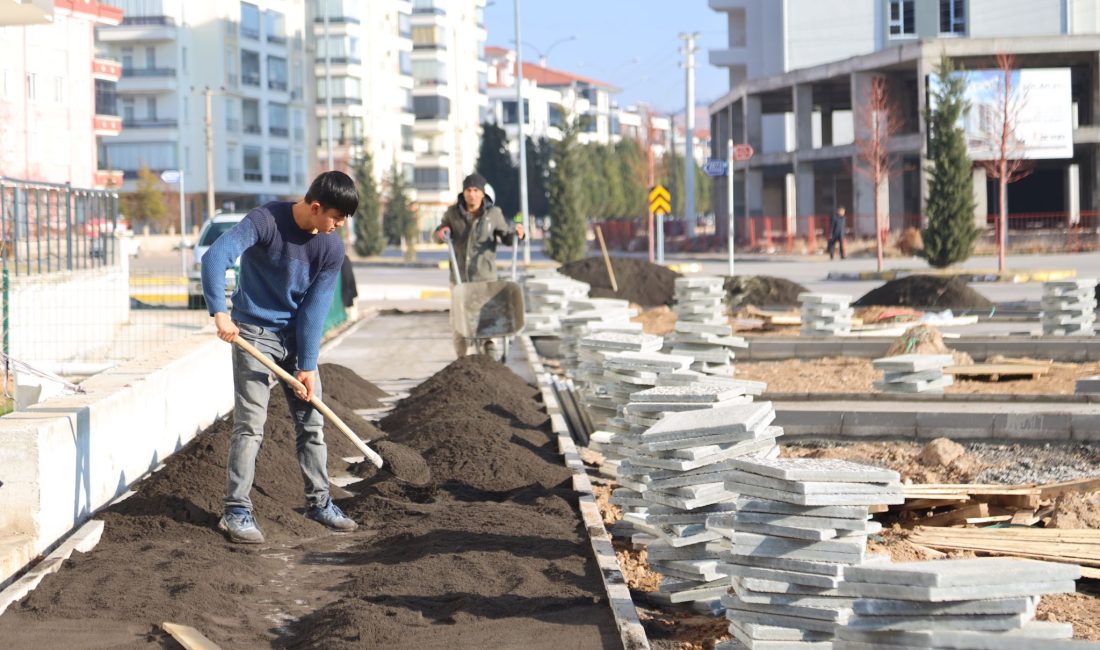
(332, 516)
(240, 526)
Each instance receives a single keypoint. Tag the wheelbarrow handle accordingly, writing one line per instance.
(446, 234)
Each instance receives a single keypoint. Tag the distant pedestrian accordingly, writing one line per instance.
(475, 225)
(290, 258)
(836, 231)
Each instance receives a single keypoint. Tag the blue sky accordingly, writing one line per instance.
(632, 44)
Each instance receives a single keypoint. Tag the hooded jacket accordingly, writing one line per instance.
(475, 239)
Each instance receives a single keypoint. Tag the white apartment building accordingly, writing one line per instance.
(799, 68)
(253, 58)
(368, 53)
(56, 92)
(449, 99)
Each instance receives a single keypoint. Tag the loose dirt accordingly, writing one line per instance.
(926, 291)
(762, 291)
(343, 385)
(489, 555)
(639, 281)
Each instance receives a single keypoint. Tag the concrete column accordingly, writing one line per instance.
(1073, 194)
(789, 198)
(802, 186)
(981, 197)
(753, 126)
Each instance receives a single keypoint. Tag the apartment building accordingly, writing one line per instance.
(449, 99)
(221, 90)
(364, 54)
(56, 92)
(799, 70)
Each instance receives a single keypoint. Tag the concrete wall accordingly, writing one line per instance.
(822, 31)
(1014, 18)
(68, 456)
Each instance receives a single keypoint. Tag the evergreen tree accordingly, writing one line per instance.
(538, 175)
(632, 172)
(950, 232)
(568, 224)
(400, 219)
(368, 218)
(611, 182)
(147, 202)
(494, 162)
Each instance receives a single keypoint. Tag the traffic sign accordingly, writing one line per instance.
(170, 176)
(714, 167)
(742, 151)
(660, 201)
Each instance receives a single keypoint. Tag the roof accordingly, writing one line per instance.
(550, 77)
(495, 50)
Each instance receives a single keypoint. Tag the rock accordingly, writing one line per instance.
(941, 452)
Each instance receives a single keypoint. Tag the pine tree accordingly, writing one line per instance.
(568, 223)
(950, 232)
(632, 171)
(538, 175)
(494, 162)
(400, 219)
(368, 218)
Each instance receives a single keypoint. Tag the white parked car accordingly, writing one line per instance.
(211, 230)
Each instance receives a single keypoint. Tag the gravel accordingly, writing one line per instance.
(1021, 464)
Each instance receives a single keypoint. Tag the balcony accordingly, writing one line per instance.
(250, 79)
(274, 84)
(107, 125)
(726, 5)
(254, 175)
(279, 131)
(729, 57)
(276, 39)
(146, 29)
(155, 123)
(333, 20)
(253, 128)
(129, 73)
(106, 69)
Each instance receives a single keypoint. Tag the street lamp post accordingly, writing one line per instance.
(522, 144)
(544, 56)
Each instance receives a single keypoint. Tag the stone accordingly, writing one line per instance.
(1032, 636)
(912, 362)
(720, 419)
(772, 633)
(941, 594)
(818, 469)
(995, 623)
(781, 581)
(849, 551)
(965, 573)
(882, 607)
(940, 452)
(834, 523)
(689, 393)
(890, 496)
(771, 506)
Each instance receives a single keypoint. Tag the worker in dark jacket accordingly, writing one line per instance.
(475, 226)
(836, 232)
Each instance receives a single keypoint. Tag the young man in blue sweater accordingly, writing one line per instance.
(290, 258)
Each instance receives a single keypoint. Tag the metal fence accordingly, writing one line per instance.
(46, 227)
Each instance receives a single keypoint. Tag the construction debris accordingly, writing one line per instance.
(913, 373)
(1069, 307)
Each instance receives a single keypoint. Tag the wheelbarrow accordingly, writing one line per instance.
(485, 310)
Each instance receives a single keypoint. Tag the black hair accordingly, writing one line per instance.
(334, 190)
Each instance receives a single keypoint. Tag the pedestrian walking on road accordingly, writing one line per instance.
(290, 257)
(475, 226)
(836, 231)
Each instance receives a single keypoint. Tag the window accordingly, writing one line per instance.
(150, 58)
(952, 17)
(345, 90)
(278, 119)
(106, 97)
(151, 109)
(279, 160)
(427, 36)
(339, 11)
(339, 49)
(431, 178)
(406, 137)
(299, 126)
(404, 63)
(275, 23)
(250, 115)
(404, 25)
(132, 156)
(250, 20)
(276, 73)
(433, 107)
(250, 68)
(231, 67)
(509, 112)
(557, 115)
(349, 130)
(127, 58)
(407, 100)
(32, 85)
(901, 20)
(429, 73)
(232, 121)
(127, 110)
(252, 164)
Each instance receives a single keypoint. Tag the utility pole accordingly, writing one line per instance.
(652, 177)
(209, 153)
(522, 144)
(328, 90)
(689, 132)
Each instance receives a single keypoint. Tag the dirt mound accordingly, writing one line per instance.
(343, 385)
(762, 291)
(639, 281)
(925, 291)
(402, 462)
(926, 339)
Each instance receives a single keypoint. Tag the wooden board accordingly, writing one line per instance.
(189, 637)
(1049, 490)
(1077, 546)
(995, 371)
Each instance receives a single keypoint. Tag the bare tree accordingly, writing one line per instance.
(880, 120)
(1004, 158)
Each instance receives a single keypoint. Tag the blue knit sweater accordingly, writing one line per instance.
(287, 276)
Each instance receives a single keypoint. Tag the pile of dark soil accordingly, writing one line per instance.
(639, 281)
(762, 291)
(343, 385)
(925, 291)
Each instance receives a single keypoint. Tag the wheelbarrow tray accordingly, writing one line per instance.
(487, 309)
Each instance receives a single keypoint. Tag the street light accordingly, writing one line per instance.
(543, 56)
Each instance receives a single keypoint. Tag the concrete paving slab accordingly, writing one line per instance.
(721, 419)
(832, 498)
(781, 581)
(1035, 635)
(813, 487)
(941, 594)
(834, 523)
(883, 607)
(967, 572)
(788, 564)
(993, 623)
(810, 534)
(912, 362)
(853, 549)
(818, 469)
(690, 393)
(772, 633)
(771, 506)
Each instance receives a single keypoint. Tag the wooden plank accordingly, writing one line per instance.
(988, 520)
(1090, 573)
(929, 504)
(1049, 490)
(997, 370)
(965, 488)
(956, 516)
(189, 637)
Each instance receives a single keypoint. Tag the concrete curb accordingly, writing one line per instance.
(1041, 275)
(443, 264)
(630, 627)
(83, 540)
(1092, 398)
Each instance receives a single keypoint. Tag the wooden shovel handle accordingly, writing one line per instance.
(371, 455)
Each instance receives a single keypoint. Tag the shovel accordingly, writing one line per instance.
(371, 455)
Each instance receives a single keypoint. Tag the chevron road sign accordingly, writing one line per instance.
(660, 201)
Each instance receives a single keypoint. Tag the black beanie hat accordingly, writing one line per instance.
(474, 180)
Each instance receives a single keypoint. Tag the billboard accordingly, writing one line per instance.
(1040, 105)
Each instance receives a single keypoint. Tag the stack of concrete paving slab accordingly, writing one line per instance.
(546, 294)
(671, 480)
(702, 325)
(796, 527)
(980, 603)
(913, 373)
(825, 314)
(586, 315)
(603, 390)
(1088, 385)
(1069, 307)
